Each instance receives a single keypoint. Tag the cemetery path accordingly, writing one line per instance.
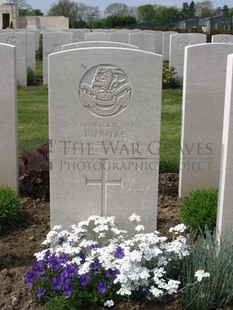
(17, 247)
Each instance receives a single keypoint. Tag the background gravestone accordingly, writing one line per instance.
(166, 44)
(222, 38)
(96, 44)
(105, 131)
(120, 36)
(8, 118)
(144, 40)
(202, 119)
(19, 40)
(225, 206)
(97, 36)
(31, 50)
(158, 38)
(177, 44)
(52, 42)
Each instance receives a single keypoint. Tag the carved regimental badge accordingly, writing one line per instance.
(105, 90)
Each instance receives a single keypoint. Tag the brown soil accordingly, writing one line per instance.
(17, 248)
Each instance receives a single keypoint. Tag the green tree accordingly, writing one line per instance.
(117, 9)
(166, 16)
(65, 8)
(88, 13)
(225, 10)
(188, 10)
(204, 9)
(146, 13)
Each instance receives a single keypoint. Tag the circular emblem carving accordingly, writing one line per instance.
(105, 90)
(140, 40)
(182, 42)
(12, 40)
(225, 40)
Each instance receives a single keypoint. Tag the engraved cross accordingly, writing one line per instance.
(104, 183)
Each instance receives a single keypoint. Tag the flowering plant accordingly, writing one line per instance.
(98, 263)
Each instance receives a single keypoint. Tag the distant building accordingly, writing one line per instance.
(207, 24)
(9, 18)
(9, 15)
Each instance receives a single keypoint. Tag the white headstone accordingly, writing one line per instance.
(225, 206)
(8, 118)
(95, 44)
(158, 37)
(222, 38)
(144, 40)
(202, 120)
(31, 50)
(97, 36)
(166, 44)
(19, 40)
(120, 36)
(78, 35)
(52, 42)
(105, 131)
(177, 44)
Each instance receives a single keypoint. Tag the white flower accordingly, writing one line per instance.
(156, 292)
(139, 227)
(134, 217)
(178, 228)
(199, 274)
(172, 286)
(57, 227)
(109, 303)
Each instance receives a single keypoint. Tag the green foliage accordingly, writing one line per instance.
(116, 9)
(31, 79)
(114, 21)
(65, 8)
(39, 52)
(10, 209)
(199, 210)
(170, 79)
(146, 13)
(216, 291)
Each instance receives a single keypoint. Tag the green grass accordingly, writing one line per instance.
(170, 130)
(39, 68)
(33, 122)
(32, 117)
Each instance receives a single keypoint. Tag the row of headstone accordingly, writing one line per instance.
(8, 118)
(202, 115)
(25, 43)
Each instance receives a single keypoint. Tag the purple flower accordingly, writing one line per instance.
(83, 258)
(69, 272)
(101, 287)
(144, 290)
(93, 246)
(108, 273)
(96, 266)
(40, 293)
(84, 279)
(119, 252)
(64, 258)
(54, 263)
(61, 240)
(115, 273)
(39, 266)
(68, 289)
(31, 277)
(57, 283)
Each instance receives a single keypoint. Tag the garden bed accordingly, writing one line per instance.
(17, 247)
